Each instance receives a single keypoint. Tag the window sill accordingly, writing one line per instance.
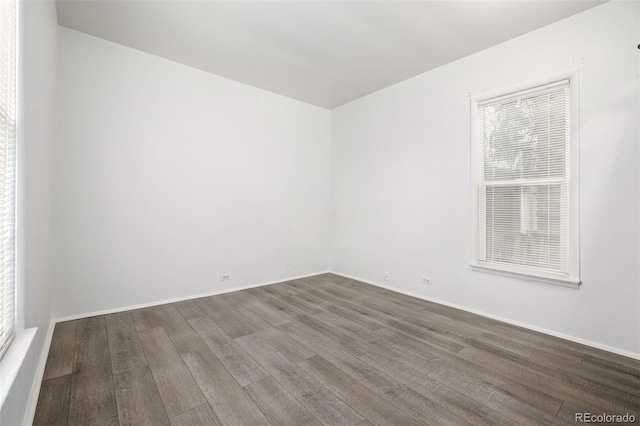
(12, 360)
(562, 282)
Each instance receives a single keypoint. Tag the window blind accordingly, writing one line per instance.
(523, 181)
(7, 170)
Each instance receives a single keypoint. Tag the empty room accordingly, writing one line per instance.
(319, 212)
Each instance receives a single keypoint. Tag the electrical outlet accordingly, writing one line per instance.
(426, 280)
(386, 276)
(225, 277)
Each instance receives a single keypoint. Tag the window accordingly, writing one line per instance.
(7, 170)
(525, 184)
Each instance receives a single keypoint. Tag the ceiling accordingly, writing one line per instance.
(324, 53)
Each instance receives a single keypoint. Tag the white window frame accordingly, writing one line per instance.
(572, 279)
(19, 349)
(10, 242)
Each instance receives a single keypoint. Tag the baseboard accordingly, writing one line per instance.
(499, 318)
(37, 379)
(180, 299)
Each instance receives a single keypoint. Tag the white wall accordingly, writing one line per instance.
(401, 180)
(167, 176)
(38, 24)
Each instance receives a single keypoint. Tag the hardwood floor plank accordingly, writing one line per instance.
(274, 290)
(428, 336)
(376, 355)
(138, 399)
(253, 304)
(278, 405)
(472, 330)
(434, 336)
(303, 303)
(177, 388)
(444, 329)
(228, 302)
(267, 313)
(454, 402)
(492, 360)
(298, 285)
(189, 310)
(629, 370)
(399, 302)
(243, 368)
(124, 345)
(608, 378)
(426, 318)
(252, 320)
(341, 291)
(492, 397)
(287, 309)
(145, 318)
(557, 388)
(199, 416)
(53, 402)
(568, 411)
(357, 396)
(527, 363)
(629, 398)
(459, 404)
(367, 290)
(363, 312)
(91, 329)
(633, 364)
(554, 351)
(361, 307)
(184, 338)
(395, 352)
(311, 303)
(358, 319)
(227, 322)
(228, 400)
(378, 374)
(534, 396)
(63, 343)
(290, 348)
(92, 400)
(472, 319)
(552, 343)
(320, 402)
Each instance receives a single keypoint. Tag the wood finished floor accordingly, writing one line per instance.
(322, 350)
